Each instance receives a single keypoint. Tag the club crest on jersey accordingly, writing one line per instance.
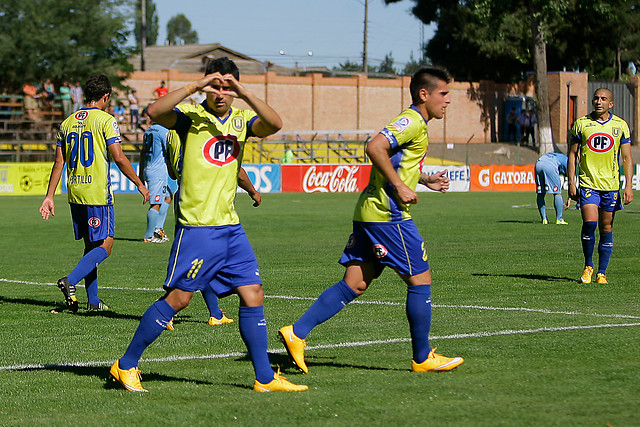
(600, 142)
(94, 222)
(237, 123)
(221, 150)
(555, 188)
(402, 123)
(380, 251)
(615, 131)
(115, 126)
(81, 115)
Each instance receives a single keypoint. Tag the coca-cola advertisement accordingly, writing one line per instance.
(325, 178)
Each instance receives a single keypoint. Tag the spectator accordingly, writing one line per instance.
(134, 110)
(119, 112)
(77, 96)
(524, 120)
(160, 91)
(512, 127)
(65, 98)
(30, 104)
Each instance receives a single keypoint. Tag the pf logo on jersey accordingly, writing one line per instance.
(600, 142)
(81, 115)
(94, 222)
(221, 150)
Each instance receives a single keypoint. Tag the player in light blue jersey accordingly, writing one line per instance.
(153, 171)
(210, 248)
(384, 234)
(549, 169)
(85, 141)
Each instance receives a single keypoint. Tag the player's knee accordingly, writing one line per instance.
(251, 295)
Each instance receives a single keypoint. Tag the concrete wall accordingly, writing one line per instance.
(320, 103)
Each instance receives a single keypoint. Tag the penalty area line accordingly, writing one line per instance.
(53, 366)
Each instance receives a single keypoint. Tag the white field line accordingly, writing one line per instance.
(388, 303)
(325, 346)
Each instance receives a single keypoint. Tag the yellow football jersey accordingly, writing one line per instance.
(407, 135)
(599, 148)
(207, 160)
(84, 137)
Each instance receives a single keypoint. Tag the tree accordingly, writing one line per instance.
(151, 23)
(386, 66)
(412, 66)
(179, 31)
(37, 41)
(349, 66)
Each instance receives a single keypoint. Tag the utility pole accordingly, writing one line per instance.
(365, 67)
(143, 31)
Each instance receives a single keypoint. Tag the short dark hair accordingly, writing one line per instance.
(223, 65)
(427, 78)
(96, 87)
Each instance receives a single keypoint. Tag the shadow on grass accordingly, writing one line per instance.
(530, 277)
(515, 221)
(62, 308)
(287, 366)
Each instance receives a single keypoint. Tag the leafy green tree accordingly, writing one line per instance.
(179, 30)
(412, 66)
(349, 66)
(386, 66)
(151, 23)
(62, 40)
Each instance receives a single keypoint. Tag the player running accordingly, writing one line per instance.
(384, 235)
(597, 139)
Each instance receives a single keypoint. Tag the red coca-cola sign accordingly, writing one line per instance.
(325, 178)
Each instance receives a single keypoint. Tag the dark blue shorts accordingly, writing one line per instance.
(606, 200)
(220, 257)
(97, 222)
(395, 245)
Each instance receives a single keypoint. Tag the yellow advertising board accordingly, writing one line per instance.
(25, 179)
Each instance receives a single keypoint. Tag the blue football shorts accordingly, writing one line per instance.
(173, 186)
(158, 190)
(396, 245)
(220, 257)
(606, 200)
(97, 222)
(548, 179)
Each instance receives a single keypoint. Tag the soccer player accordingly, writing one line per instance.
(210, 247)
(85, 140)
(597, 139)
(548, 169)
(153, 171)
(384, 235)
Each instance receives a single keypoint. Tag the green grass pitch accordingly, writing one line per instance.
(539, 348)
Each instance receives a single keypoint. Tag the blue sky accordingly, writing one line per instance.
(332, 30)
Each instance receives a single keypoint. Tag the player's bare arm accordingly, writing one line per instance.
(571, 171)
(268, 122)
(125, 166)
(48, 206)
(627, 165)
(378, 152)
(437, 182)
(245, 183)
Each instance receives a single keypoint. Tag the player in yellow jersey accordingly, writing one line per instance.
(210, 248)
(384, 235)
(597, 139)
(85, 141)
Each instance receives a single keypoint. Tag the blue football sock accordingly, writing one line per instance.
(91, 286)
(558, 205)
(605, 247)
(162, 215)
(152, 220)
(88, 263)
(253, 330)
(211, 300)
(542, 208)
(152, 323)
(419, 315)
(328, 304)
(588, 241)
